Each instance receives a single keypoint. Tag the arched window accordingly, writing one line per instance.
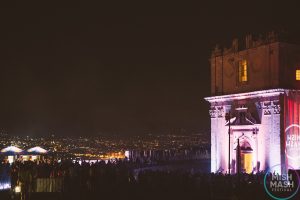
(243, 71)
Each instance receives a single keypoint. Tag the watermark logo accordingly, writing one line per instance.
(292, 142)
(281, 186)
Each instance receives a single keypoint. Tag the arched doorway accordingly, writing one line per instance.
(244, 157)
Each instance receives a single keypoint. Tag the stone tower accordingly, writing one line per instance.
(257, 82)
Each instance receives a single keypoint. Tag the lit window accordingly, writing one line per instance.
(243, 75)
(298, 75)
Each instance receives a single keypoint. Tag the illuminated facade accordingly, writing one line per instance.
(259, 86)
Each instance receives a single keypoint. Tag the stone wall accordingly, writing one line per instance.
(264, 136)
(269, 65)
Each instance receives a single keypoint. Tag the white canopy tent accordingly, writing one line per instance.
(12, 149)
(37, 150)
(11, 152)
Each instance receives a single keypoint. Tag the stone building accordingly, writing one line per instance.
(257, 83)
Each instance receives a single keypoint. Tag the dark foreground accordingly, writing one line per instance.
(121, 181)
(155, 185)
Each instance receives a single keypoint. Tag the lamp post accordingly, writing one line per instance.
(227, 118)
(238, 156)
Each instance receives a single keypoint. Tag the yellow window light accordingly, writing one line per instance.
(298, 75)
(243, 74)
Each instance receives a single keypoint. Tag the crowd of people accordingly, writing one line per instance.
(118, 180)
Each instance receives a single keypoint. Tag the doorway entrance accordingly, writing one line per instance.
(244, 157)
(246, 162)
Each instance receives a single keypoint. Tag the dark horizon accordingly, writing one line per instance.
(126, 69)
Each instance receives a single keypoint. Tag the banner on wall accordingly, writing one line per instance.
(292, 129)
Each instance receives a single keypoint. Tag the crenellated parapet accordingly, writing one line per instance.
(269, 107)
(216, 112)
(250, 41)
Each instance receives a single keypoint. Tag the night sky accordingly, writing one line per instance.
(126, 68)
